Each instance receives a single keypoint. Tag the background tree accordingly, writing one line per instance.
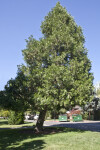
(97, 90)
(58, 65)
(4, 113)
(16, 97)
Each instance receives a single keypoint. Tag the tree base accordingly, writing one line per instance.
(40, 121)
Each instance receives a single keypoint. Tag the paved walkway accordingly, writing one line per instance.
(85, 125)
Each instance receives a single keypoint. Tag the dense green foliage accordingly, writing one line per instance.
(57, 64)
(57, 72)
(16, 93)
(16, 118)
(4, 113)
(15, 97)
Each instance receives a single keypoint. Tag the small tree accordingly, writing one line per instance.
(92, 109)
(15, 97)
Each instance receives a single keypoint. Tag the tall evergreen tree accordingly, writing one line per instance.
(57, 64)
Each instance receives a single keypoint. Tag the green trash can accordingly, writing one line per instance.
(62, 117)
(77, 117)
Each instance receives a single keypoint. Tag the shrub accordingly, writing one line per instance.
(85, 115)
(16, 118)
(4, 113)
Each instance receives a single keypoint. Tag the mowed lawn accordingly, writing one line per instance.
(51, 139)
(4, 124)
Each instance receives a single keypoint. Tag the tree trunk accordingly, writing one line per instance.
(40, 121)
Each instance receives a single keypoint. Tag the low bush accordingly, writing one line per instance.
(4, 113)
(16, 118)
(85, 115)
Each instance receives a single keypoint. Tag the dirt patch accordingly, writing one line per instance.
(45, 131)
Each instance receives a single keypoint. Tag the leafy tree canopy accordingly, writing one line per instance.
(16, 95)
(58, 64)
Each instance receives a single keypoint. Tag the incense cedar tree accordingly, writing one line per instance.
(58, 65)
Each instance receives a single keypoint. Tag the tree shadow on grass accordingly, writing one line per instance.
(34, 145)
(27, 139)
(20, 139)
(92, 126)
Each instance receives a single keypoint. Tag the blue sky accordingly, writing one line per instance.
(21, 18)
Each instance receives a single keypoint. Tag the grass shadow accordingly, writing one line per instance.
(54, 129)
(20, 139)
(35, 145)
(91, 126)
(27, 139)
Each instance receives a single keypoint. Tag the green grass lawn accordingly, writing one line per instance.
(51, 139)
(4, 124)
